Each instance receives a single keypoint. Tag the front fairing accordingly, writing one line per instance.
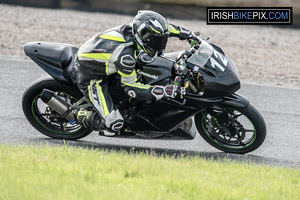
(219, 73)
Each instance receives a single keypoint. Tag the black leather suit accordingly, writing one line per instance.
(106, 53)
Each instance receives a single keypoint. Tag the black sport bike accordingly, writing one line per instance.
(223, 118)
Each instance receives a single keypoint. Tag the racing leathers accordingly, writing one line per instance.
(109, 52)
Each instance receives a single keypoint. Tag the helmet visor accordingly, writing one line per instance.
(157, 42)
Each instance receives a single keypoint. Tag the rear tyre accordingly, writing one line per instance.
(46, 120)
(230, 129)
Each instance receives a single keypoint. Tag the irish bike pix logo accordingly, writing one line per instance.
(250, 15)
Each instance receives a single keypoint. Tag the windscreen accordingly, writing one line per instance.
(202, 55)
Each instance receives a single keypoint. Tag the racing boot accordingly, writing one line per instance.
(89, 119)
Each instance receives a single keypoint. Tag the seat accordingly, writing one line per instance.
(55, 58)
(57, 54)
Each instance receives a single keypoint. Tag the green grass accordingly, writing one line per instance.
(47, 172)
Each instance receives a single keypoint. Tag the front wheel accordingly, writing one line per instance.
(233, 130)
(45, 119)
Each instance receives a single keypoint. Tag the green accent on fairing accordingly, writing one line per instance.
(36, 118)
(221, 144)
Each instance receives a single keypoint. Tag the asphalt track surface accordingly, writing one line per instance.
(279, 107)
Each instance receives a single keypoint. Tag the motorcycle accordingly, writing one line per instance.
(224, 119)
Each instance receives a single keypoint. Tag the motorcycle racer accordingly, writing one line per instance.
(117, 50)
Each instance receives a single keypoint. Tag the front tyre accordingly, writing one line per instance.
(230, 129)
(46, 120)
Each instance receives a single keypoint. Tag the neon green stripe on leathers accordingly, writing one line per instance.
(131, 80)
(106, 112)
(110, 37)
(101, 56)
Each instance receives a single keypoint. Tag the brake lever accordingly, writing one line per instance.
(185, 53)
(183, 89)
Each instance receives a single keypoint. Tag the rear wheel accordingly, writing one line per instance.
(45, 119)
(233, 130)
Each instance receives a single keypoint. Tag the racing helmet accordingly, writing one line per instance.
(151, 32)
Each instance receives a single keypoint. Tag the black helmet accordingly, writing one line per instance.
(151, 31)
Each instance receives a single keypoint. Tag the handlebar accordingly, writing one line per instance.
(186, 72)
(188, 53)
(180, 66)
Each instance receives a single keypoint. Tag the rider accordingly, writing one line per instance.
(117, 50)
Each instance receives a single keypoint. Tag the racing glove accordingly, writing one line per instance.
(193, 38)
(169, 91)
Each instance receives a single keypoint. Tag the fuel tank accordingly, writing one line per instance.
(157, 72)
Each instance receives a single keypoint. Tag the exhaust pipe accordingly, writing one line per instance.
(57, 104)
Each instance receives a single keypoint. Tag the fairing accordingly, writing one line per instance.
(147, 116)
(217, 69)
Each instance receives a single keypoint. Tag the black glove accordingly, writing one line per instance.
(171, 91)
(193, 38)
(158, 91)
(194, 35)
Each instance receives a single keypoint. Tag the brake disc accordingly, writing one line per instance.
(220, 134)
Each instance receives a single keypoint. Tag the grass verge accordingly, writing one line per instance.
(45, 172)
